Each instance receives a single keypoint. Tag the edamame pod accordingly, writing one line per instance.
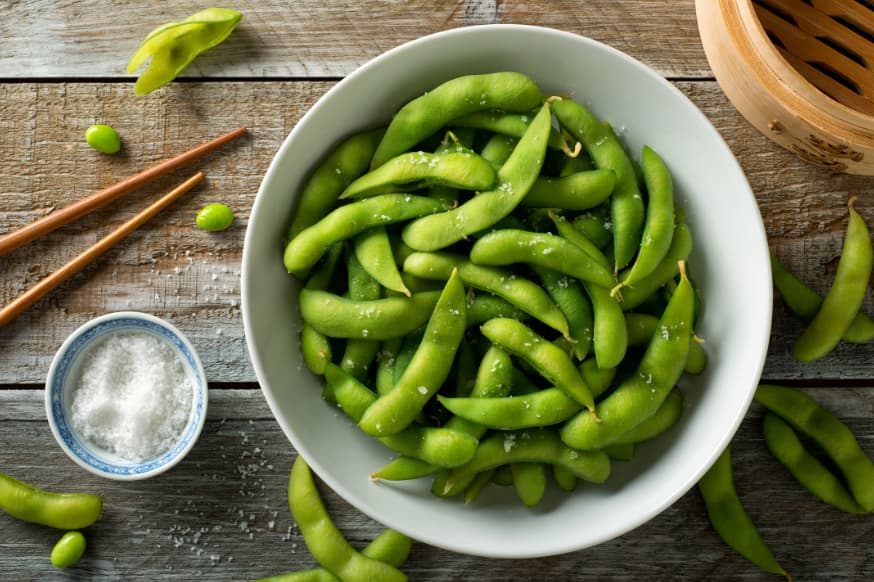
(324, 541)
(305, 249)
(664, 418)
(514, 180)
(641, 327)
(67, 511)
(641, 395)
(542, 408)
(466, 171)
(359, 352)
(481, 308)
(844, 298)
(680, 249)
(826, 430)
(425, 115)
(579, 191)
(508, 246)
(394, 411)
(609, 336)
(404, 469)
(506, 125)
(535, 446)
(529, 480)
(336, 316)
(373, 250)
(568, 294)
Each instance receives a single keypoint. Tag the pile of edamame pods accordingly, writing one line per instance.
(493, 287)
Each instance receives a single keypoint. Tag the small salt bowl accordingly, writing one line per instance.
(126, 396)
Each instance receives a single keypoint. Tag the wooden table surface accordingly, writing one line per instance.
(222, 513)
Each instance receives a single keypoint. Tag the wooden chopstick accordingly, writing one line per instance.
(29, 297)
(50, 222)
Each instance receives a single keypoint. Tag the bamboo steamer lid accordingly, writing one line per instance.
(800, 71)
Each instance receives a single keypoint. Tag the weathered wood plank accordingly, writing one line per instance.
(314, 38)
(173, 270)
(222, 514)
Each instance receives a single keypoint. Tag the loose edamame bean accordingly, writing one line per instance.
(823, 428)
(514, 180)
(103, 138)
(844, 298)
(627, 207)
(423, 116)
(508, 246)
(535, 446)
(466, 171)
(786, 447)
(805, 303)
(305, 249)
(394, 411)
(547, 358)
(68, 550)
(641, 395)
(215, 217)
(324, 541)
(730, 519)
(67, 511)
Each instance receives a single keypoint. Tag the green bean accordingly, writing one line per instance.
(514, 180)
(68, 550)
(339, 317)
(542, 408)
(374, 252)
(508, 246)
(658, 228)
(437, 446)
(823, 428)
(323, 186)
(609, 336)
(481, 308)
(663, 419)
(580, 191)
(548, 359)
(564, 478)
(305, 249)
(627, 207)
(568, 294)
(429, 368)
(529, 480)
(620, 451)
(518, 291)
(535, 446)
(466, 171)
(805, 303)
(323, 539)
(404, 469)
(681, 247)
(640, 396)
(512, 125)
(730, 519)
(787, 448)
(844, 298)
(425, 115)
(59, 510)
(642, 326)
(103, 138)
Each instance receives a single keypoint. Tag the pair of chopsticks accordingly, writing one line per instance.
(80, 208)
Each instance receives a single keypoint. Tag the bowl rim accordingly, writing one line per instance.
(130, 320)
(757, 230)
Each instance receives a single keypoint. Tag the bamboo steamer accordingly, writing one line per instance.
(800, 71)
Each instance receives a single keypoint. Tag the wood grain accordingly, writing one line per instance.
(191, 277)
(221, 514)
(314, 38)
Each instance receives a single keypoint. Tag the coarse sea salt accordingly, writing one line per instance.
(133, 396)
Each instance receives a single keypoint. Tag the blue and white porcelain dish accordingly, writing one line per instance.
(66, 368)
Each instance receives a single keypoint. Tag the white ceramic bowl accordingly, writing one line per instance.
(66, 369)
(730, 263)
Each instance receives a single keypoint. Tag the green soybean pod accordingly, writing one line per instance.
(324, 541)
(304, 250)
(620, 451)
(482, 307)
(68, 550)
(59, 510)
(663, 419)
(578, 239)
(374, 251)
(627, 208)
(805, 303)
(423, 116)
(787, 448)
(336, 316)
(529, 480)
(404, 469)
(394, 411)
(596, 226)
(502, 476)
(498, 149)
(512, 125)
(642, 326)
(359, 353)
(564, 478)
(316, 349)
(680, 249)
(548, 359)
(385, 364)
(597, 379)
(580, 191)
(641, 395)
(537, 409)
(323, 186)
(844, 298)
(568, 294)
(514, 180)
(730, 519)
(477, 485)
(826, 430)
(609, 335)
